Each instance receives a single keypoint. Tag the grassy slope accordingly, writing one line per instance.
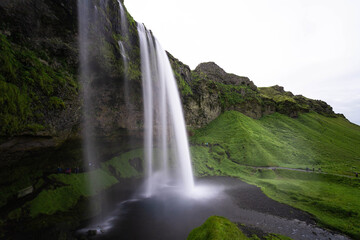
(311, 140)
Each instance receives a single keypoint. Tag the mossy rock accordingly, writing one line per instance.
(217, 228)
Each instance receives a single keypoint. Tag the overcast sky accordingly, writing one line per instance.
(311, 47)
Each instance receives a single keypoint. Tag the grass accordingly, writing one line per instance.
(272, 93)
(63, 198)
(72, 187)
(231, 95)
(312, 140)
(216, 228)
(332, 199)
(220, 228)
(122, 166)
(287, 103)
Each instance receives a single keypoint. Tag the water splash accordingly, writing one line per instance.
(164, 122)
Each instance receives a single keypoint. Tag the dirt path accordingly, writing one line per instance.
(303, 170)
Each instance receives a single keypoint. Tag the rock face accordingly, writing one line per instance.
(39, 52)
(208, 91)
(217, 74)
(39, 59)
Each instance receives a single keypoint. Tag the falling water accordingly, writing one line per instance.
(125, 37)
(124, 33)
(89, 146)
(164, 122)
(123, 19)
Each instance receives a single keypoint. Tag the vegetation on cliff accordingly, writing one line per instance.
(30, 89)
(291, 105)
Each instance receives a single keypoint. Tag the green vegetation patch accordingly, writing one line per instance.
(69, 188)
(75, 185)
(220, 228)
(277, 96)
(183, 86)
(121, 164)
(334, 200)
(217, 228)
(29, 86)
(312, 141)
(231, 95)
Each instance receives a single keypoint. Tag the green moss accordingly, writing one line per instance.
(231, 95)
(122, 166)
(134, 71)
(184, 87)
(34, 127)
(197, 77)
(76, 186)
(15, 108)
(217, 228)
(27, 86)
(56, 103)
(15, 214)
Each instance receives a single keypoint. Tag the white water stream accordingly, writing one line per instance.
(164, 122)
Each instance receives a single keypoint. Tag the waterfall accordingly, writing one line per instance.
(164, 123)
(166, 150)
(86, 17)
(124, 30)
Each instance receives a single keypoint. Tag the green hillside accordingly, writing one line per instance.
(238, 144)
(312, 141)
(220, 228)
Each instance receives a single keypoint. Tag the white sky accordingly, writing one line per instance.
(311, 47)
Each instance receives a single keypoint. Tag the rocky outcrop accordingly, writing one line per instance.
(209, 90)
(215, 73)
(287, 103)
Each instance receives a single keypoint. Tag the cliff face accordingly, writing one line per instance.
(209, 90)
(39, 100)
(41, 106)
